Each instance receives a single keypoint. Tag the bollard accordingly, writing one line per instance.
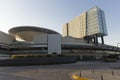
(101, 77)
(112, 73)
(93, 71)
(37, 70)
(80, 74)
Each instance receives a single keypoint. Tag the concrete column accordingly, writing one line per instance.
(89, 39)
(67, 29)
(102, 39)
(80, 57)
(96, 40)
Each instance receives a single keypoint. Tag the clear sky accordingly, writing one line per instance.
(53, 14)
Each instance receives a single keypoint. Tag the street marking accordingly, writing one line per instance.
(79, 78)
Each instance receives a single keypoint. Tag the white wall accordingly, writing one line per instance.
(54, 43)
(40, 38)
(6, 38)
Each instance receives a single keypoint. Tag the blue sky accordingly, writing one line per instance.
(53, 14)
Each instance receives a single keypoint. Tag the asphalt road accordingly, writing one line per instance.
(59, 72)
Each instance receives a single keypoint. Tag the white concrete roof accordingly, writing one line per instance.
(27, 32)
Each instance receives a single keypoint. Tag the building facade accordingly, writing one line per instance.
(31, 39)
(36, 40)
(96, 23)
(77, 33)
(76, 27)
(6, 38)
(89, 25)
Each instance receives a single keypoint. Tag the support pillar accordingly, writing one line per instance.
(67, 29)
(88, 40)
(96, 40)
(102, 39)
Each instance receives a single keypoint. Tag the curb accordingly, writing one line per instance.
(75, 77)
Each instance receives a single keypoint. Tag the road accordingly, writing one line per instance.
(61, 71)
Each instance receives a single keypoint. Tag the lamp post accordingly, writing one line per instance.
(118, 46)
(118, 50)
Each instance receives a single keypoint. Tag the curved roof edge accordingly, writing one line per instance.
(17, 29)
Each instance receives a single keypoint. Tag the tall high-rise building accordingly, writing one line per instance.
(89, 25)
(76, 27)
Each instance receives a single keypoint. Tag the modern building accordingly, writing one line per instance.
(76, 28)
(89, 25)
(5, 41)
(77, 34)
(37, 40)
(30, 39)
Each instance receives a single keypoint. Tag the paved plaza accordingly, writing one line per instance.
(88, 69)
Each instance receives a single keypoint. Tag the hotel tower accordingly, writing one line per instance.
(89, 26)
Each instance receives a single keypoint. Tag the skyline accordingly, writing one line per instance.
(53, 14)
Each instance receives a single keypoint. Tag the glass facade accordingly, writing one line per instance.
(96, 22)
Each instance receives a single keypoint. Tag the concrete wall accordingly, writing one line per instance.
(40, 39)
(54, 43)
(6, 38)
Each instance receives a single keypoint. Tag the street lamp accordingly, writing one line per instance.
(118, 46)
